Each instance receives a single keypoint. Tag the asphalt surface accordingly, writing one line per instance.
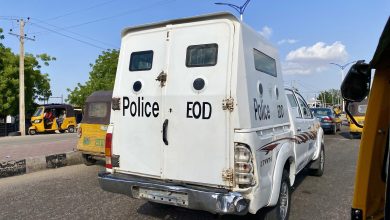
(20, 147)
(73, 193)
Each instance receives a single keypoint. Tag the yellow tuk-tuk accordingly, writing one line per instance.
(51, 117)
(93, 127)
(371, 199)
(358, 111)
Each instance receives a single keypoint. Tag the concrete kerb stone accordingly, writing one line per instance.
(33, 164)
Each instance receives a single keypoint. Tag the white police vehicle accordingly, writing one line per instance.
(201, 119)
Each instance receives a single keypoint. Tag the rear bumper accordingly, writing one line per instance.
(327, 126)
(217, 201)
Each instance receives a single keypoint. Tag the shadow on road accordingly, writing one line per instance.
(347, 135)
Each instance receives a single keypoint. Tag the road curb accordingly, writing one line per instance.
(33, 164)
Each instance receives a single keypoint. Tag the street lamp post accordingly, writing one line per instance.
(239, 9)
(342, 67)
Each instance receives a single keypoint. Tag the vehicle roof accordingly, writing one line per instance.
(69, 108)
(206, 17)
(100, 96)
(322, 108)
(382, 53)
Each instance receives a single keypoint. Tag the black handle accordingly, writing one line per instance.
(165, 128)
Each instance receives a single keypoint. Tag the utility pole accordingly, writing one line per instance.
(22, 111)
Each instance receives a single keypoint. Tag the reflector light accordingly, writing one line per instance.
(244, 178)
(79, 132)
(108, 151)
(242, 154)
(243, 167)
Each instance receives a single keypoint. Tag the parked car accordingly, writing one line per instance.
(330, 122)
(200, 119)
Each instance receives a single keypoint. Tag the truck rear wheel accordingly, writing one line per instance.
(282, 209)
(334, 129)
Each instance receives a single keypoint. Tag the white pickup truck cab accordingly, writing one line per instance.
(200, 119)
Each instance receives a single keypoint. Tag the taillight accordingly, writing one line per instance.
(79, 132)
(327, 119)
(243, 166)
(108, 151)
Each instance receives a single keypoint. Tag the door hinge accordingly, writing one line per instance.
(228, 104)
(227, 176)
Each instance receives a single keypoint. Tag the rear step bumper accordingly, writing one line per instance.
(217, 201)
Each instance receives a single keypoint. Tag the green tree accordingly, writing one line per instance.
(37, 84)
(329, 97)
(101, 77)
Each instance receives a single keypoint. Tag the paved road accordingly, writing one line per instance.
(15, 148)
(73, 193)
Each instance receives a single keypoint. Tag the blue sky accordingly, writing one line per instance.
(308, 34)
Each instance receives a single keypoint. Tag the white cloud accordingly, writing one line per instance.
(266, 32)
(316, 58)
(287, 41)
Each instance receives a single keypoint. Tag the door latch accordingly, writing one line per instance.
(162, 77)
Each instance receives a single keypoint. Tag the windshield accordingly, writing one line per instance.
(362, 109)
(38, 112)
(322, 112)
(97, 110)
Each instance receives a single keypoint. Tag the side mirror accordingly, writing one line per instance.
(356, 84)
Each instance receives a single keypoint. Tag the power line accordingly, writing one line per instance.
(162, 2)
(72, 32)
(80, 10)
(64, 35)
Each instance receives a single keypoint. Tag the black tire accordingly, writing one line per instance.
(282, 209)
(62, 131)
(15, 133)
(71, 129)
(317, 167)
(334, 130)
(88, 160)
(32, 132)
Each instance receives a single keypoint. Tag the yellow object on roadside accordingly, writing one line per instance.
(93, 127)
(52, 117)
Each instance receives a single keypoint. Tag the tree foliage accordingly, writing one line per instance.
(101, 77)
(37, 84)
(330, 97)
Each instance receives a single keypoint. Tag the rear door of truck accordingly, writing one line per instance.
(137, 126)
(198, 128)
(183, 70)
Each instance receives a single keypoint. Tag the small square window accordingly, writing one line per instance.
(202, 55)
(264, 63)
(142, 60)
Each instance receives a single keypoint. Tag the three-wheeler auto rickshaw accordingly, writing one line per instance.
(52, 117)
(358, 111)
(371, 199)
(93, 127)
